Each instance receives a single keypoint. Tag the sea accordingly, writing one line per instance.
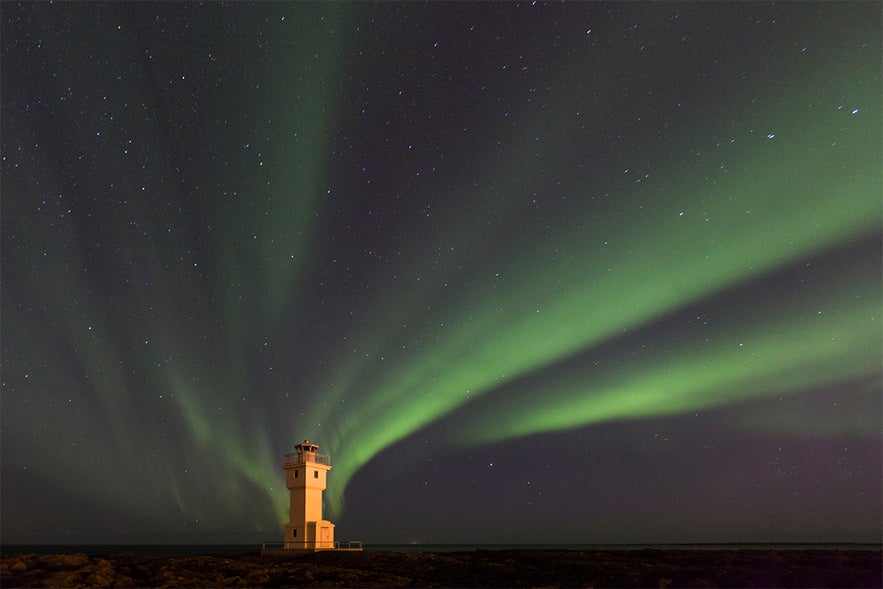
(171, 550)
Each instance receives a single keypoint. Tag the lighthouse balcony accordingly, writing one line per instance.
(304, 457)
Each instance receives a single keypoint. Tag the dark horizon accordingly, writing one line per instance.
(369, 545)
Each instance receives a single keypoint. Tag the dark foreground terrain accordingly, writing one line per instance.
(481, 568)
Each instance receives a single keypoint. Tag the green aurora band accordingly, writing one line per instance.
(194, 302)
(779, 196)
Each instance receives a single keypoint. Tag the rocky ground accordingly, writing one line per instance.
(481, 568)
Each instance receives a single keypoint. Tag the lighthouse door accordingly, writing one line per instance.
(326, 535)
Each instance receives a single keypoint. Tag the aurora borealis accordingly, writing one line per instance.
(528, 272)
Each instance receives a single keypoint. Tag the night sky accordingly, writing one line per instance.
(529, 273)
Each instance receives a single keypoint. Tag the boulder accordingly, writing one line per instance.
(62, 561)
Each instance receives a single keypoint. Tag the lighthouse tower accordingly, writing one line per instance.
(305, 472)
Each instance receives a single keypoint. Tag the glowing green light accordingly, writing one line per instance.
(683, 236)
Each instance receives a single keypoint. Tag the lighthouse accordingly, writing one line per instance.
(305, 471)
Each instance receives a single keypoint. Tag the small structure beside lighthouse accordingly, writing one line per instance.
(305, 471)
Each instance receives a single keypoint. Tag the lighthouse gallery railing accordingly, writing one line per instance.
(301, 457)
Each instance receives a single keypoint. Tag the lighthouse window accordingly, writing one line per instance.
(315, 474)
(295, 474)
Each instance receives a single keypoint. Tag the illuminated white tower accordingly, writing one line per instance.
(305, 472)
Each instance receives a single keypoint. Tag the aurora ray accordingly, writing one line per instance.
(592, 281)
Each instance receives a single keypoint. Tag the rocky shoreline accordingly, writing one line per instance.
(480, 568)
